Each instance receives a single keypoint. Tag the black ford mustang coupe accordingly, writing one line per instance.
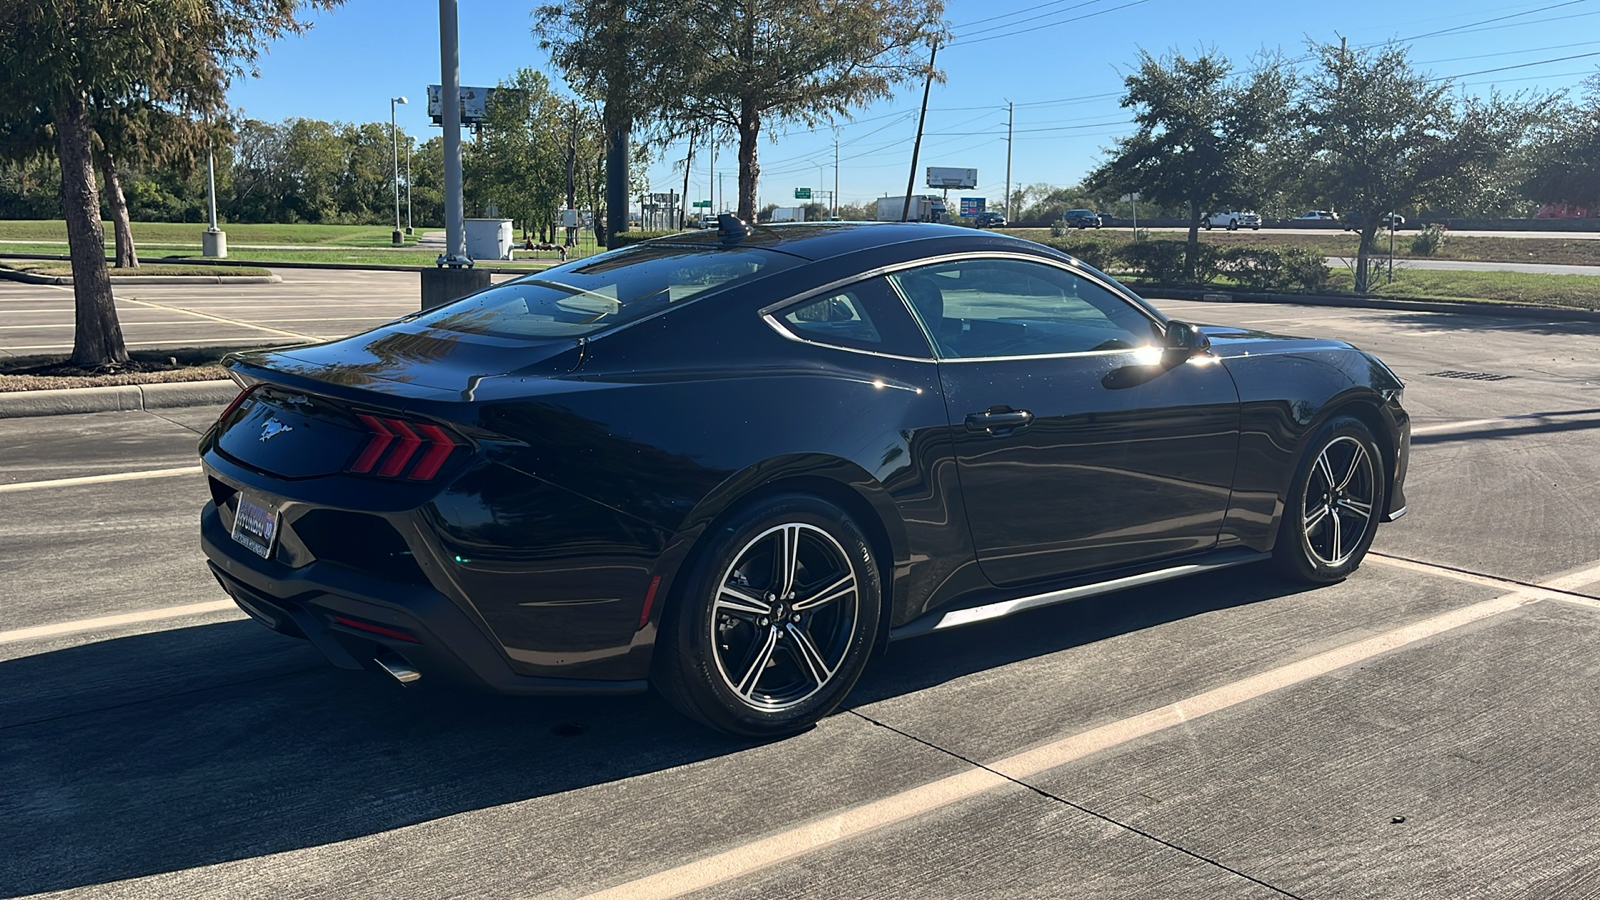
(733, 463)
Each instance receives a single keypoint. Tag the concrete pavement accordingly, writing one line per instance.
(202, 755)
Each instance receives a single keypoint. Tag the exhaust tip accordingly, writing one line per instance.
(403, 672)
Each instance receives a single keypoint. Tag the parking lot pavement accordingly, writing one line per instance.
(1423, 729)
(310, 304)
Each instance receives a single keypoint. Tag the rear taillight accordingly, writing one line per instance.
(394, 445)
(237, 402)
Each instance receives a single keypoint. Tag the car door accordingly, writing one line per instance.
(1079, 444)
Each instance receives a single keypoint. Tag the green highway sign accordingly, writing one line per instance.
(705, 203)
(802, 193)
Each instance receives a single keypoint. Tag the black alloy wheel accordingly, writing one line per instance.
(777, 621)
(1334, 504)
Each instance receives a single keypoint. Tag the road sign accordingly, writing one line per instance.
(946, 177)
(704, 203)
(474, 103)
(802, 193)
(971, 206)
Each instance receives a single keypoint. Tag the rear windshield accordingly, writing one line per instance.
(601, 292)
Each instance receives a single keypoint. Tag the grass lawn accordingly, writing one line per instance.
(188, 234)
(356, 255)
(1550, 250)
(1565, 291)
(1571, 291)
(43, 267)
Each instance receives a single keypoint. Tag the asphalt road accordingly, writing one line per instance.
(1426, 729)
(310, 304)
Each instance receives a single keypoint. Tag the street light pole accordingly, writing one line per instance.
(408, 184)
(394, 135)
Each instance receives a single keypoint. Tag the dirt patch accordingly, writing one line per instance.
(41, 373)
(64, 269)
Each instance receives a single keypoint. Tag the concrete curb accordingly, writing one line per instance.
(116, 398)
(126, 280)
(1491, 310)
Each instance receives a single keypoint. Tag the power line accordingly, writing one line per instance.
(1035, 26)
(1020, 12)
(1542, 62)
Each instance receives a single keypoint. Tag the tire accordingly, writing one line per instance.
(743, 655)
(1206, 226)
(1338, 489)
(1233, 224)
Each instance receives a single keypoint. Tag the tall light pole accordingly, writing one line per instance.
(408, 184)
(394, 134)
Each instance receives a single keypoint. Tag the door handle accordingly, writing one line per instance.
(999, 420)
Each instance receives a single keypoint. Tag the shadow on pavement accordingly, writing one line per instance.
(177, 749)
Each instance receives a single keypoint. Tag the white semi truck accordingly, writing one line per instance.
(924, 208)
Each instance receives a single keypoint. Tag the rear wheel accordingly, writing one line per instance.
(1233, 224)
(1332, 510)
(777, 621)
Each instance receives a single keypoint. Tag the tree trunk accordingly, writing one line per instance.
(97, 337)
(1369, 230)
(616, 179)
(749, 166)
(127, 255)
(1191, 252)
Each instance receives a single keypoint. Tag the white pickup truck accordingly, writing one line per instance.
(1233, 221)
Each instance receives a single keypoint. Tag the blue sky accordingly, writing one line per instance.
(1061, 63)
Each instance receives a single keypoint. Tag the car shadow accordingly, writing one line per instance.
(177, 749)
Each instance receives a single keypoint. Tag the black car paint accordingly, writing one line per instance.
(598, 466)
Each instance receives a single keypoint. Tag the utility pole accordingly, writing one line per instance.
(688, 161)
(1011, 109)
(835, 179)
(408, 184)
(916, 147)
(394, 136)
(455, 225)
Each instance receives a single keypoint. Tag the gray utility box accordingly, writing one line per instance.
(489, 238)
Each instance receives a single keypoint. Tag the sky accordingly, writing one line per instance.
(1060, 63)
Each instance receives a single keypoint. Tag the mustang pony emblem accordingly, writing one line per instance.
(273, 428)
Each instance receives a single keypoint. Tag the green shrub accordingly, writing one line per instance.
(633, 237)
(1162, 261)
(1253, 268)
(1099, 254)
(1429, 240)
(1304, 270)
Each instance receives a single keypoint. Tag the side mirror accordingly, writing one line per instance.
(1183, 341)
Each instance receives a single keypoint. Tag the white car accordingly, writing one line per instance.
(1233, 221)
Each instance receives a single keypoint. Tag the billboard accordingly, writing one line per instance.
(971, 206)
(943, 177)
(474, 104)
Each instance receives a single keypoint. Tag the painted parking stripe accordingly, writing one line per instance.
(99, 479)
(102, 622)
(815, 835)
(179, 309)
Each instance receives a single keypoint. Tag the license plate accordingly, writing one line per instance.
(255, 526)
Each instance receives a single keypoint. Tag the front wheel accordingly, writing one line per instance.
(776, 622)
(1233, 225)
(1331, 513)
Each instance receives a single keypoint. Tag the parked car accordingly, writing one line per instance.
(725, 464)
(1322, 215)
(1391, 221)
(1081, 218)
(989, 219)
(1232, 220)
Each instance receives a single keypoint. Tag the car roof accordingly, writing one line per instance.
(824, 240)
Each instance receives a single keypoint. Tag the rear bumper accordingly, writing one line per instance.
(354, 620)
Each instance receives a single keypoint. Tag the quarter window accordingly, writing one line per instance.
(867, 315)
(1005, 307)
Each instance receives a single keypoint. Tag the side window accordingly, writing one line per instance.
(867, 315)
(1006, 307)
